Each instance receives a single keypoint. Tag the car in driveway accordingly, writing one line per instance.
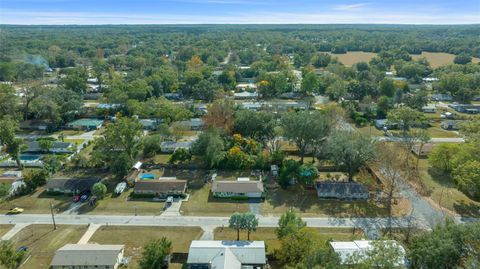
(168, 202)
(76, 198)
(15, 210)
(84, 198)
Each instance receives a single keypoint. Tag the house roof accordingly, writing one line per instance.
(86, 122)
(227, 254)
(80, 184)
(342, 188)
(161, 185)
(86, 255)
(34, 146)
(173, 144)
(237, 186)
(346, 249)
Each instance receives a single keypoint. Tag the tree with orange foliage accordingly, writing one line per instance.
(220, 115)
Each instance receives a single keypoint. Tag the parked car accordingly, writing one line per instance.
(15, 210)
(76, 198)
(84, 197)
(22, 248)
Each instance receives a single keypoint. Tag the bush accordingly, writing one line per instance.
(99, 190)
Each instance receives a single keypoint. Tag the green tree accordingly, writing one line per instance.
(406, 117)
(99, 190)
(45, 145)
(257, 125)
(121, 143)
(350, 151)
(8, 101)
(289, 223)
(75, 80)
(310, 83)
(321, 60)
(441, 157)
(296, 246)
(383, 254)
(462, 58)
(308, 173)
(211, 146)
(237, 222)
(7, 136)
(155, 254)
(180, 155)
(305, 129)
(250, 223)
(467, 178)
(9, 257)
(387, 87)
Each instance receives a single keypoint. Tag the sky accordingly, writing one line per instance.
(239, 11)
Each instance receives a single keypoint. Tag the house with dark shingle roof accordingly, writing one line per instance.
(239, 188)
(341, 190)
(88, 256)
(57, 147)
(70, 185)
(160, 187)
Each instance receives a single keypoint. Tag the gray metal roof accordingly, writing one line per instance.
(227, 254)
(34, 146)
(237, 186)
(87, 254)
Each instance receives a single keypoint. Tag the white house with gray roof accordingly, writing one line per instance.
(227, 255)
(88, 256)
(239, 188)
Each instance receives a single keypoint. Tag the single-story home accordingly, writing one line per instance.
(451, 124)
(382, 123)
(441, 97)
(173, 96)
(160, 187)
(430, 80)
(341, 190)
(346, 249)
(426, 149)
(149, 124)
(88, 256)
(255, 106)
(205, 254)
(39, 125)
(245, 95)
(193, 124)
(172, 146)
(85, 124)
(430, 108)
(108, 106)
(239, 188)
(465, 108)
(70, 185)
(57, 147)
(246, 86)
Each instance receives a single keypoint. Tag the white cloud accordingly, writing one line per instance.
(34, 17)
(350, 7)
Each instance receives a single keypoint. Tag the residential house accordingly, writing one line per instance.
(465, 108)
(57, 147)
(172, 146)
(70, 185)
(345, 250)
(245, 95)
(383, 123)
(88, 256)
(108, 106)
(254, 106)
(85, 124)
(430, 80)
(161, 187)
(430, 108)
(246, 86)
(173, 96)
(149, 124)
(207, 254)
(239, 188)
(451, 124)
(194, 124)
(341, 190)
(38, 125)
(425, 149)
(441, 97)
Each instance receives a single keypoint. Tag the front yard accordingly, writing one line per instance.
(268, 235)
(135, 237)
(42, 242)
(4, 228)
(38, 202)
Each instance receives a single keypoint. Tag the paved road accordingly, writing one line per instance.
(433, 140)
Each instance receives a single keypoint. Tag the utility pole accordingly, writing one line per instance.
(53, 217)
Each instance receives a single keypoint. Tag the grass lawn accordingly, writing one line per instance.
(135, 237)
(38, 202)
(69, 132)
(113, 205)
(4, 228)
(42, 242)
(268, 235)
(74, 141)
(370, 130)
(201, 202)
(442, 190)
(307, 204)
(437, 59)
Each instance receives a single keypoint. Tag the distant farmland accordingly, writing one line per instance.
(436, 59)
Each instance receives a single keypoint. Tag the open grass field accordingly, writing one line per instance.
(135, 237)
(442, 190)
(437, 59)
(119, 205)
(268, 235)
(202, 203)
(42, 242)
(37, 202)
(307, 204)
(353, 57)
(4, 228)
